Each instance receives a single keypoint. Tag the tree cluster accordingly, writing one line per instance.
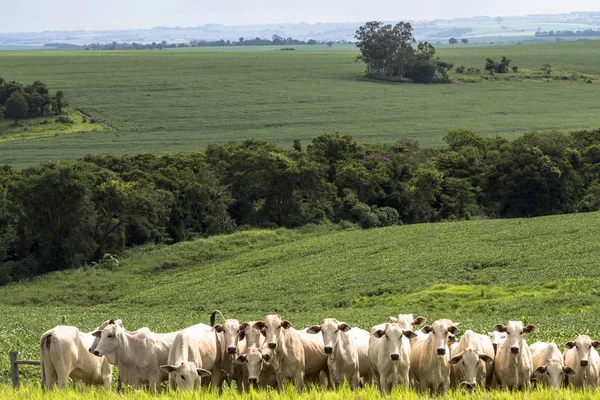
(19, 102)
(392, 52)
(497, 67)
(64, 214)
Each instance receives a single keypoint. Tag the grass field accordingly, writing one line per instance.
(182, 100)
(478, 273)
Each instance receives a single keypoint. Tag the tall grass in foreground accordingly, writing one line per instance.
(35, 392)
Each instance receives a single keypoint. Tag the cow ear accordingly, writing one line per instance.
(486, 358)
(453, 329)
(378, 333)
(409, 334)
(419, 321)
(286, 324)
(168, 368)
(241, 359)
(241, 335)
(426, 329)
(569, 371)
(259, 325)
(243, 326)
(344, 327)
(266, 357)
(500, 328)
(203, 372)
(314, 329)
(394, 319)
(97, 334)
(540, 370)
(596, 344)
(218, 328)
(456, 358)
(118, 323)
(529, 328)
(570, 345)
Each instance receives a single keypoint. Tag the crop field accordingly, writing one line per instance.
(478, 273)
(185, 99)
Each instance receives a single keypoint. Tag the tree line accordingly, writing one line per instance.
(19, 102)
(64, 214)
(585, 32)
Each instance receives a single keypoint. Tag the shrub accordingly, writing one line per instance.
(460, 69)
(63, 119)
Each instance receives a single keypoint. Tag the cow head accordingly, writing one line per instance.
(471, 361)
(271, 328)
(496, 338)
(254, 359)
(103, 325)
(392, 334)
(553, 373)
(186, 375)
(330, 328)
(230, 330)
(249, 333)
(443, 333)
(406, 321)
(514, 335)
(583, 346)
(109, 342)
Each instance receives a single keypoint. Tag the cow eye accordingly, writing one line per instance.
(183, 377)
(508, 333)
(521, 332)
(111, 336)
(548, 372)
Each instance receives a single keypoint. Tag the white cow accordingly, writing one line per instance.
(581, 356)
(548, 365)
(405, 321)
(228, 336)
(430, 356)
(472, 361)
(496, 338)
(389, 356)
(255, 361)
(138, 354)
(64, 355)
(513, 365)
(343, 360)
(249, 337)
(194, 354)
(296, 354)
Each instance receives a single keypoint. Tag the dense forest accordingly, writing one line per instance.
(65, 214)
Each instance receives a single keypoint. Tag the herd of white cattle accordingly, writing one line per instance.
(271, 352)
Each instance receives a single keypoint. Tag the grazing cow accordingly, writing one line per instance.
(343, 360)
(64, 355)
(389, 356)
(296, 354)
(195, 353)
(513, 366)
(496, 338)
(472, 361)
(138, 354)
(430, 356)
(582, 357)
(548, 366)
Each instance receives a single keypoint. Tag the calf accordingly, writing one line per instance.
(64, 355)
(548, 366)
(582, 357)
(472, 361)
(430, 357)
(389, 356)
(513, 366)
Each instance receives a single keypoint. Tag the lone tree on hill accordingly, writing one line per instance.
(452, 41)
(464, 41)
(16, 106)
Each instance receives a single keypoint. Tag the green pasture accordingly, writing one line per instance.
(184, 99)
(478, 273)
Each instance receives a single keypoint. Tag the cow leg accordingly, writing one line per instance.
(51, 377)
(355, 381)
(299, 381)
(62, 381)
(383, 384)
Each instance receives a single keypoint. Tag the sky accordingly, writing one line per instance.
(41, 15)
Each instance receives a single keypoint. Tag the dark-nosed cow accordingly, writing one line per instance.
(255, 361)
(64, 355)
(249, 337)
(194, 354)
(389, 356)
(548, 366)
(296, 355)
(228, 336)
(472, 361)
(138, 354)
(513, 365)
(582, 357)
(341, 348)
(430, 356)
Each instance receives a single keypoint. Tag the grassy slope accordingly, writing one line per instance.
(185, 99)
(478, 273)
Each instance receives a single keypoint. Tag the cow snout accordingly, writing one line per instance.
(451, 338)
(584, 363)
(96, 353)
(90, 350)
(441, 351)
(253, 381)
(514, 350)
(495, 345)
(272, 346)
(395, 357)
(328, 349)
(231, 350)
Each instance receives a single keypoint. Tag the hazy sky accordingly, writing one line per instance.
(40, 15)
